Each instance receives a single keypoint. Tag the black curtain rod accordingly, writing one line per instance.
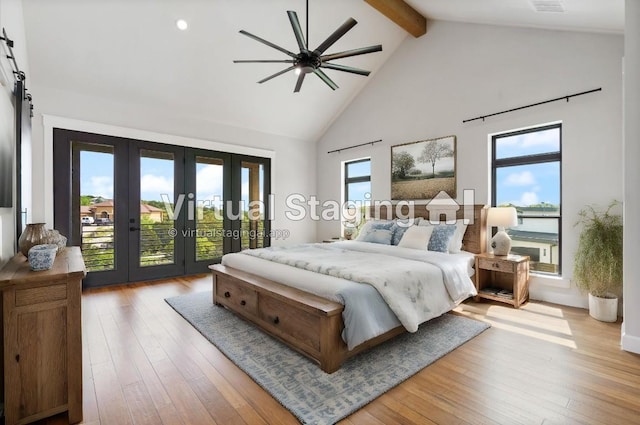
(567, 97)
(16, 70)
(355, 146)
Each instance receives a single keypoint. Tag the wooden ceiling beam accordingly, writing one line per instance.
(402, 14)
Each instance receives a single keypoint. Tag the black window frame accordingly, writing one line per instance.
(350, 180)
(530, 160)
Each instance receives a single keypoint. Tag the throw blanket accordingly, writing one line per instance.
(398, 280)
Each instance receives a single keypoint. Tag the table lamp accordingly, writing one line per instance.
(502, 217)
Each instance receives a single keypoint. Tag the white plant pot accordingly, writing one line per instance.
(603, 309)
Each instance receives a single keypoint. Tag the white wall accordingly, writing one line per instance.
(74, 111)
(10, 19)
(460, 71)
(631, 325)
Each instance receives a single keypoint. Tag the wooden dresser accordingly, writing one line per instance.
(42, 338)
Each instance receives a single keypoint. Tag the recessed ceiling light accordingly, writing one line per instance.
(182, 24)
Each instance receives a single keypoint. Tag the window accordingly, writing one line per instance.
(357, 180)
(526, 174)
(357, 193)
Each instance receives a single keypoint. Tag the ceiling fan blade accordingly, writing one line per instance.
(265, 61)
(276, 74)
(345, 68)
(354, 52)
(342, 30)
(268, 43)
(324, 77)
(297, 30)
(299, 82)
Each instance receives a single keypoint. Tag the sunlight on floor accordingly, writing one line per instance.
(550, 326)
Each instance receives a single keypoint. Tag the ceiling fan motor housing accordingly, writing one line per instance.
(307, 61)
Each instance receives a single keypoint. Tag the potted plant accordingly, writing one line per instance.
(597, 267)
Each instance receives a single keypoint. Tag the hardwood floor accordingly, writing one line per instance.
(542, 364)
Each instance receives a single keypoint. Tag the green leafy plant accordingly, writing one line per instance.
(598, 261)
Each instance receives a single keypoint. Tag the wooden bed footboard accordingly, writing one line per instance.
(307, 323)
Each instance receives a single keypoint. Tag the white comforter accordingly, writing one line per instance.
(401, 276)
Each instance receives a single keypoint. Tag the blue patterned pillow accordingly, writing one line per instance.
(381, 236)
(398, 229)
(440, 238)
(372, 225)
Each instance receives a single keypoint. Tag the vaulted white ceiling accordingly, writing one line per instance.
(131, 51)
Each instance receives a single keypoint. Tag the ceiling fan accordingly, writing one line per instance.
(311, 61)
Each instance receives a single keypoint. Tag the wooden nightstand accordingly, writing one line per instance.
(503, 278)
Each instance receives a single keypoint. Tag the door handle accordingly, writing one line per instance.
(133, 229)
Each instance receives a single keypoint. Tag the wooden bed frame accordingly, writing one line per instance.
(310, 324)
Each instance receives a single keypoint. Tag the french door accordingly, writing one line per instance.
(141, 210)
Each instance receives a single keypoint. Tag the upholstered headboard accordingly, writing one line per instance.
(475, 238)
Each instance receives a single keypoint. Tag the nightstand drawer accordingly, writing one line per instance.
(497, 265)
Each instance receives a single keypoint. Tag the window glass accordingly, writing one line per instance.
(358, 169)
(530, 143)
(532, 186)
(527, 175)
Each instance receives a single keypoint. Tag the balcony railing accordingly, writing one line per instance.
(97, 244)
(157, 243)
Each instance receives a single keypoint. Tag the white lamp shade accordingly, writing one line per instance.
(502, 217)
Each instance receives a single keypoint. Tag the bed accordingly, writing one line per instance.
(315, 313)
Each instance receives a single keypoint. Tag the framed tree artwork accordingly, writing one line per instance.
(422, 169)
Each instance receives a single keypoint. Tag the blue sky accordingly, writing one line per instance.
(360, 191)
(529, 184)
(96, 177)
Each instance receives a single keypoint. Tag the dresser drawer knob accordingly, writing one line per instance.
(276, 320)
(243, 302)
(227, 294)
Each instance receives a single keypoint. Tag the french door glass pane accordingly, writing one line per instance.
(97, 205)
(210, 208)
(252, 205)
(156, 188)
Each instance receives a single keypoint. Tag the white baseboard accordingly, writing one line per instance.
(630, 343)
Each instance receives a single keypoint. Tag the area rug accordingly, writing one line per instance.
(312, 395)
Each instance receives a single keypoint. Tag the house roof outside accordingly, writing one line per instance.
(146, 208)
(107, 203)
(538, 237)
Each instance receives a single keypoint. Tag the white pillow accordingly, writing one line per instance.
(416, 237)
(455, 246)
